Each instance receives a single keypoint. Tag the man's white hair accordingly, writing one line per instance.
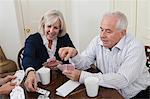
(122, 19)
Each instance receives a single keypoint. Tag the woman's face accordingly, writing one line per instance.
(52, 31)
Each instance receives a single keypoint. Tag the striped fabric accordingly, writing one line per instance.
(123, 67)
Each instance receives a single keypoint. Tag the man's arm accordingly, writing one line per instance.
(130, 69)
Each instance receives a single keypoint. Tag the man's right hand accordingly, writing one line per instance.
(31, 81)
(67, 52)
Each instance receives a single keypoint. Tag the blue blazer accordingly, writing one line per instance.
(35, 52)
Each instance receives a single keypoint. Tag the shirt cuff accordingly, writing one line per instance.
(83, 75)
(75, 59)
(29, 69)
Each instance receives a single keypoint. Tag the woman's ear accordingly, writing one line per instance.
(60, 30)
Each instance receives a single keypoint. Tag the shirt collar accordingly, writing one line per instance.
(45, 41)
(121, 43)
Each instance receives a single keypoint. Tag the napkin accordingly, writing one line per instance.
(66, 88)
(17, 93)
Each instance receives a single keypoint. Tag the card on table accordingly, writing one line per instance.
(43, 91)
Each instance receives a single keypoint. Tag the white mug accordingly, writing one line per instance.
(92, 86)
(44, 75)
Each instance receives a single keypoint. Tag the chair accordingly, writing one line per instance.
(19, 58)
(6, 65)
(147, 51)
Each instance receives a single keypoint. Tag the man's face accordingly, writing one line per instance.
(109, 35)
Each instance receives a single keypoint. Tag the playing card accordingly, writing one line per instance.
(70, 67)
(43, 91)
(63, 67)
(51, 59)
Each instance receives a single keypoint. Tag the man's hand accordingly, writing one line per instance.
(6, 88)
(67, 52)
(72, 74)
(31, 81)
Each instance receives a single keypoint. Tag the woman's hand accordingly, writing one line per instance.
(52, 63)
(31, 81)
(6, 88)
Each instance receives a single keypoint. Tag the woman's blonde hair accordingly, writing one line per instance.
(50, 17)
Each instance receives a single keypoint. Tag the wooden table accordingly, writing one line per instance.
(79, 93)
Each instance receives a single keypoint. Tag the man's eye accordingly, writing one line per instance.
(109, 31)
(49, 26)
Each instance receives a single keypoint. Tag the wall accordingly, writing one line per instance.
(143, 21)
(85, 20)
(9, 34)
(82, 17)
(138, 13)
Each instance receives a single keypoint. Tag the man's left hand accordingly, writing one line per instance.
(72, 74)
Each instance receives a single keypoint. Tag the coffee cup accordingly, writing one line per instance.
(92, 86)
(44, 75)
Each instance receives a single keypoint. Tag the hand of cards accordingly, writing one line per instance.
(51, 62)
(63, 67)
(59, 64)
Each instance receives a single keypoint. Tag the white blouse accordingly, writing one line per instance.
(51, 52)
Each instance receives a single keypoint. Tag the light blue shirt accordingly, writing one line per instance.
(124, 67)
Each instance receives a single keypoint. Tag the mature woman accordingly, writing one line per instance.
(44, 45)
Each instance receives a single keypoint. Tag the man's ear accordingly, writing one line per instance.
(124, 32)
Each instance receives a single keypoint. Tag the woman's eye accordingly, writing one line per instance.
(55, 27)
